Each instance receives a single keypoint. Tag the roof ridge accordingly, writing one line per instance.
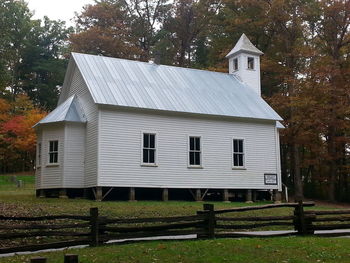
(147, 63)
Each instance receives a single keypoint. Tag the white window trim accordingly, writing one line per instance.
(252, 69)
(39, 156)
(244, 154)
(233, 64)
(188, 152)
(155, 164)
(48, 153)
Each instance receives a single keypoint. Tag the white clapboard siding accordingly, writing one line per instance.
(78, 87)
(74, 155)
(120, 151)
(52, 175)
(38, 167)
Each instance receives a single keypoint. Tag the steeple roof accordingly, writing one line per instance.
(244, 45)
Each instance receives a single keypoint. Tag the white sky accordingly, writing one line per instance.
(57, 9)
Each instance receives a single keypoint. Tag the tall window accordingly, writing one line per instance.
(235, 64)
(39, 154)
(194, 151)
(250, 63)
(238, 153)
(149, 148)
(53, 152)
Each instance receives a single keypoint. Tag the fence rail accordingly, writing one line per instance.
(95, 230)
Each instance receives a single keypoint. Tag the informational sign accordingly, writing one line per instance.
(270, 179)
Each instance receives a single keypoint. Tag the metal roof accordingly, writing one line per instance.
(69, 110)
(121, 82)
(244, 44)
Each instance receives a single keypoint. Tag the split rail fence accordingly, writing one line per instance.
(48, 232)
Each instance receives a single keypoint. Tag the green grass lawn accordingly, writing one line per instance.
(283, 250)
(22, 201)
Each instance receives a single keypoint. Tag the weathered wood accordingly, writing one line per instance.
(210, 220)
(225, 195)
(249, 196)
(42, 218)
(132, 194)
(198, 195)
(331, 227)
(238, 235)
(252, 226)
(36, 247)
(328, 212)
(150, 234)
(251, 208)
(299, 222)
(332, 219)
(43, 226)
(155, 219)
(98, 193)
(152, 228)
(94, 226)
(165, 195)
(258, 218)
(42, 234)
(38, 260)
(71, 258)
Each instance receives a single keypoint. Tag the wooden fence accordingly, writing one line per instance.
(95, 230)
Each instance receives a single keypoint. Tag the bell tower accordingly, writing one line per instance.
(244, 62)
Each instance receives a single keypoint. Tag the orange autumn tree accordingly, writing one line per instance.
(18, 138)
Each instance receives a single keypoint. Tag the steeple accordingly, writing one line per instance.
(244, 62)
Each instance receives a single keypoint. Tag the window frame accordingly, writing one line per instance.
(155, 164)
(39, 155)
(235, 63)
(189, 165)
(253, 59)
(233, 152)
(48, 163)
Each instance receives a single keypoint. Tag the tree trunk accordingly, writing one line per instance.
(298, 182)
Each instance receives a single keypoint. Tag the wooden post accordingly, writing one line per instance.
(165, 194)
(198, 195)
(98, 193)
(62, 193)
(71, 258)
(254, 196)
(38, 260)
(249, 198)
(132, 194)
(277, 196)
(299, 222)
(94, 227)
(225, 196)
(209, 209)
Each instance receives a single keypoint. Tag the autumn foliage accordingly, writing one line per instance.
(17, 136)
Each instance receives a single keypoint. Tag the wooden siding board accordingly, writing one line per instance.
(74, 156)
(120, 140)
(78, 87)
(52, 176)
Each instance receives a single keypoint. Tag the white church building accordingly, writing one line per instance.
(123, 125)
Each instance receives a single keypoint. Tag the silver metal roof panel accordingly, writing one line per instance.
(121, 82)
(69, 110)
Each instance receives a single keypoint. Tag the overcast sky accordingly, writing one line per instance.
(57, 9)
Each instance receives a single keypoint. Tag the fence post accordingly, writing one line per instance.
(38, 260)
(94, 225)
(210, 214)
(299, 222)
(71, 258)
